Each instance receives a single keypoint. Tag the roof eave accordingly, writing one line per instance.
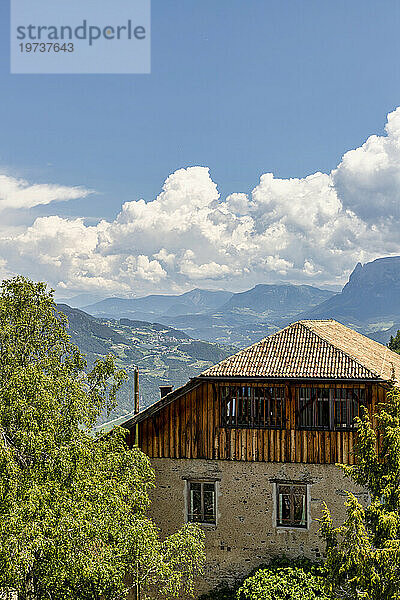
(293, 378)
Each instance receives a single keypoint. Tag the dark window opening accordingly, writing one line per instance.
(201, 502)
(328, 408)
(291, 505)
(247, 406)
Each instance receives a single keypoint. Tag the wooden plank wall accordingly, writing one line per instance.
(190, 428)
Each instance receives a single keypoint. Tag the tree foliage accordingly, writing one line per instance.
(73, 519)
(363, 554)
(394, 342)
(285, 580)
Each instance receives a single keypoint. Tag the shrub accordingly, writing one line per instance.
(282, 579)
(279, 581)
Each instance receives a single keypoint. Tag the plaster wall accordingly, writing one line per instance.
(246, 535)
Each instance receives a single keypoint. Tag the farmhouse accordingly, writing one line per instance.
(248, 448)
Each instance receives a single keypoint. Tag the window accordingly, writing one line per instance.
(328, 408)
(247, 406)
(291, 501)
(201, 502)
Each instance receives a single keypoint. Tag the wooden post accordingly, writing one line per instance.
(136, 401)
(136, 410)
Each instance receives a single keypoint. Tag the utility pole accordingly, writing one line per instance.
(135, 412)
(136, 401)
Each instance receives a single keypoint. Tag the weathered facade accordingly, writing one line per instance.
(248, 449)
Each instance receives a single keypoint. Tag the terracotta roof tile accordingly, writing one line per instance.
(316, 349)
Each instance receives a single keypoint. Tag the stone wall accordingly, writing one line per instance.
(245, 535)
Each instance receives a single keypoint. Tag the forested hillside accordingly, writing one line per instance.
(164, 355)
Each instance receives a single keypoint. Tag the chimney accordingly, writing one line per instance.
(165, 389)
(136, 390)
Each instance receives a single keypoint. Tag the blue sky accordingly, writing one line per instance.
(243, 88)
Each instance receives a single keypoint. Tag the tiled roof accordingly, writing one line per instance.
(316, 349)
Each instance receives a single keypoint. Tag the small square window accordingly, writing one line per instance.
(201, 502)
(291, 504)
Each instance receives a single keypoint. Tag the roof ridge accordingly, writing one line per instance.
(339, 349)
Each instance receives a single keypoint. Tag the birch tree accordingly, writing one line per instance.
(73, 522)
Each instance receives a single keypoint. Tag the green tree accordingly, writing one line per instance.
(394, 343)
(363, 554)
(285, 580)
(73, 519)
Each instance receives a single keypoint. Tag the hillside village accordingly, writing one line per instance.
(164, 355)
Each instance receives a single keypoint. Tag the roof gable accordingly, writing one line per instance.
(311, 349)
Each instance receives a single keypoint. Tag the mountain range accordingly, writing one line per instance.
(196, 301)
(218, 316)
(80, 300)
(369, 302)
(371, 296)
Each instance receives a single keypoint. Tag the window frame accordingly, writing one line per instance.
(188, 514)
(332, 397)
(292, 524)
(236, 400)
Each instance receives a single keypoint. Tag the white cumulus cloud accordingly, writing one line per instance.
(306, 230)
